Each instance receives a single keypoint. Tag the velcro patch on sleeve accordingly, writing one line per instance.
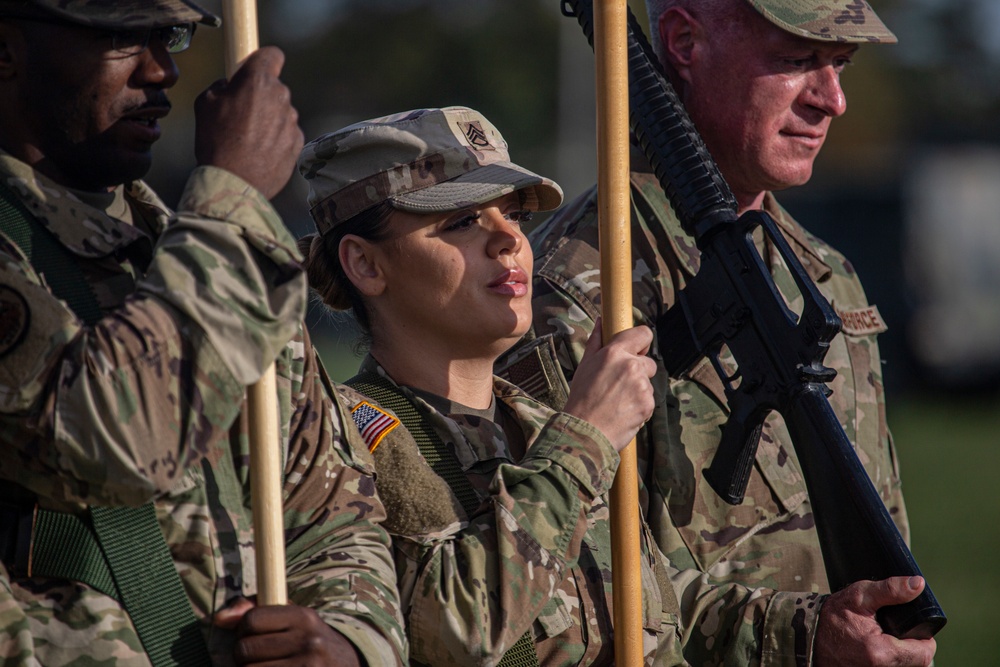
(373, 422)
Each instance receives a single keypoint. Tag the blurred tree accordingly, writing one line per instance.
(947, 61)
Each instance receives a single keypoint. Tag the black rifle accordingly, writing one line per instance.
(733, 302)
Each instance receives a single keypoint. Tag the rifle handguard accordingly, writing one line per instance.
(665, 133)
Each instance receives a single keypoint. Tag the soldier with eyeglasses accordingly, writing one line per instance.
(128, 333)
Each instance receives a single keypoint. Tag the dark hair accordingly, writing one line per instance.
(322, 262)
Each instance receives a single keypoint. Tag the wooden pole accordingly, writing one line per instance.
(614, 205)
(240, 30)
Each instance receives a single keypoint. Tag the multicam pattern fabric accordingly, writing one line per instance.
(148, 404)
(119, 13)
(833, 20)
(728, 562)
(536, 556)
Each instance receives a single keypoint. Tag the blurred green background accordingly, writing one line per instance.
(907, 187)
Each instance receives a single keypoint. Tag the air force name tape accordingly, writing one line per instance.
(373, 423)
(862, 321)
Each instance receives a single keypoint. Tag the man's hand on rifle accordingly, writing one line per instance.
(849, 635)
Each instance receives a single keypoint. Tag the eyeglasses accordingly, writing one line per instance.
(175, 38)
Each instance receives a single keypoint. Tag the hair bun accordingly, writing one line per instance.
(321, 270)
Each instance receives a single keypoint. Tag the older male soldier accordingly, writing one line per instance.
(128, 335)
(761, 80)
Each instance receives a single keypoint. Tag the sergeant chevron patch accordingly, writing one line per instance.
(476, 135)
(374, 423)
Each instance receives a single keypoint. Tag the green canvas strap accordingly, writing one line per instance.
(151, 590)
(119, 551)
(443, 462)
(62, 271)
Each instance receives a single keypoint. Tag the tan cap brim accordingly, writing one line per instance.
(479, 186)
(833, 20)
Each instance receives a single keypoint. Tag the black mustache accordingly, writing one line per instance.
(153, 101)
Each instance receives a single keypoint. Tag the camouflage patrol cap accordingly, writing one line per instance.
(113, 13)
(832, 20)
(422, 161)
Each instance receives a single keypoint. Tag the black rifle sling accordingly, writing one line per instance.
(443, 462)
(119, 551)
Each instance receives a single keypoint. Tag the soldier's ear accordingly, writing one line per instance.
(362, 264)
(679, 33)
(8, 38)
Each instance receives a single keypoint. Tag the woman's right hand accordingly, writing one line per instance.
(611, 388)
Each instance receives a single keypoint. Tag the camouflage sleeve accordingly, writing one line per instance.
(116, 412)
(471, 590)
(720, 623)
(895, 503)
(727, 624)
(339, 556)
(892, 491)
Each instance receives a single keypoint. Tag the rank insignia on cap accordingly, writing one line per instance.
(14, 319)
(476, 135)
(373, 423)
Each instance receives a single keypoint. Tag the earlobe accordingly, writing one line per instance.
(360, 260)
(678, 31)
(6, 52)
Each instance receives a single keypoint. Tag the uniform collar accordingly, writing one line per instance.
(804, 245)
(83, 229)
(472, 441)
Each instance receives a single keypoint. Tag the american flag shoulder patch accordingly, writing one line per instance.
(374, 423)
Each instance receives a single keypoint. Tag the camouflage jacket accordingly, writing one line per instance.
(147, 404)
(535, 556)
(749, 577)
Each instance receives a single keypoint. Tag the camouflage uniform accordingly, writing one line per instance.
(147, 404)
(537, 554)
(734, 568)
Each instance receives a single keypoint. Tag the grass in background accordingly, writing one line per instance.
(949, 450)
(338, 355)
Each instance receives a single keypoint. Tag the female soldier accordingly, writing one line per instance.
(500, 523)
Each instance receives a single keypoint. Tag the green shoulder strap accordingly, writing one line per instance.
(48, 256)
(443, 462)
(120, 551)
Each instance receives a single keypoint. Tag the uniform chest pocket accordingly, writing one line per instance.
(708, 527)
(859, 398)
(554, 620)
(580, 609)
